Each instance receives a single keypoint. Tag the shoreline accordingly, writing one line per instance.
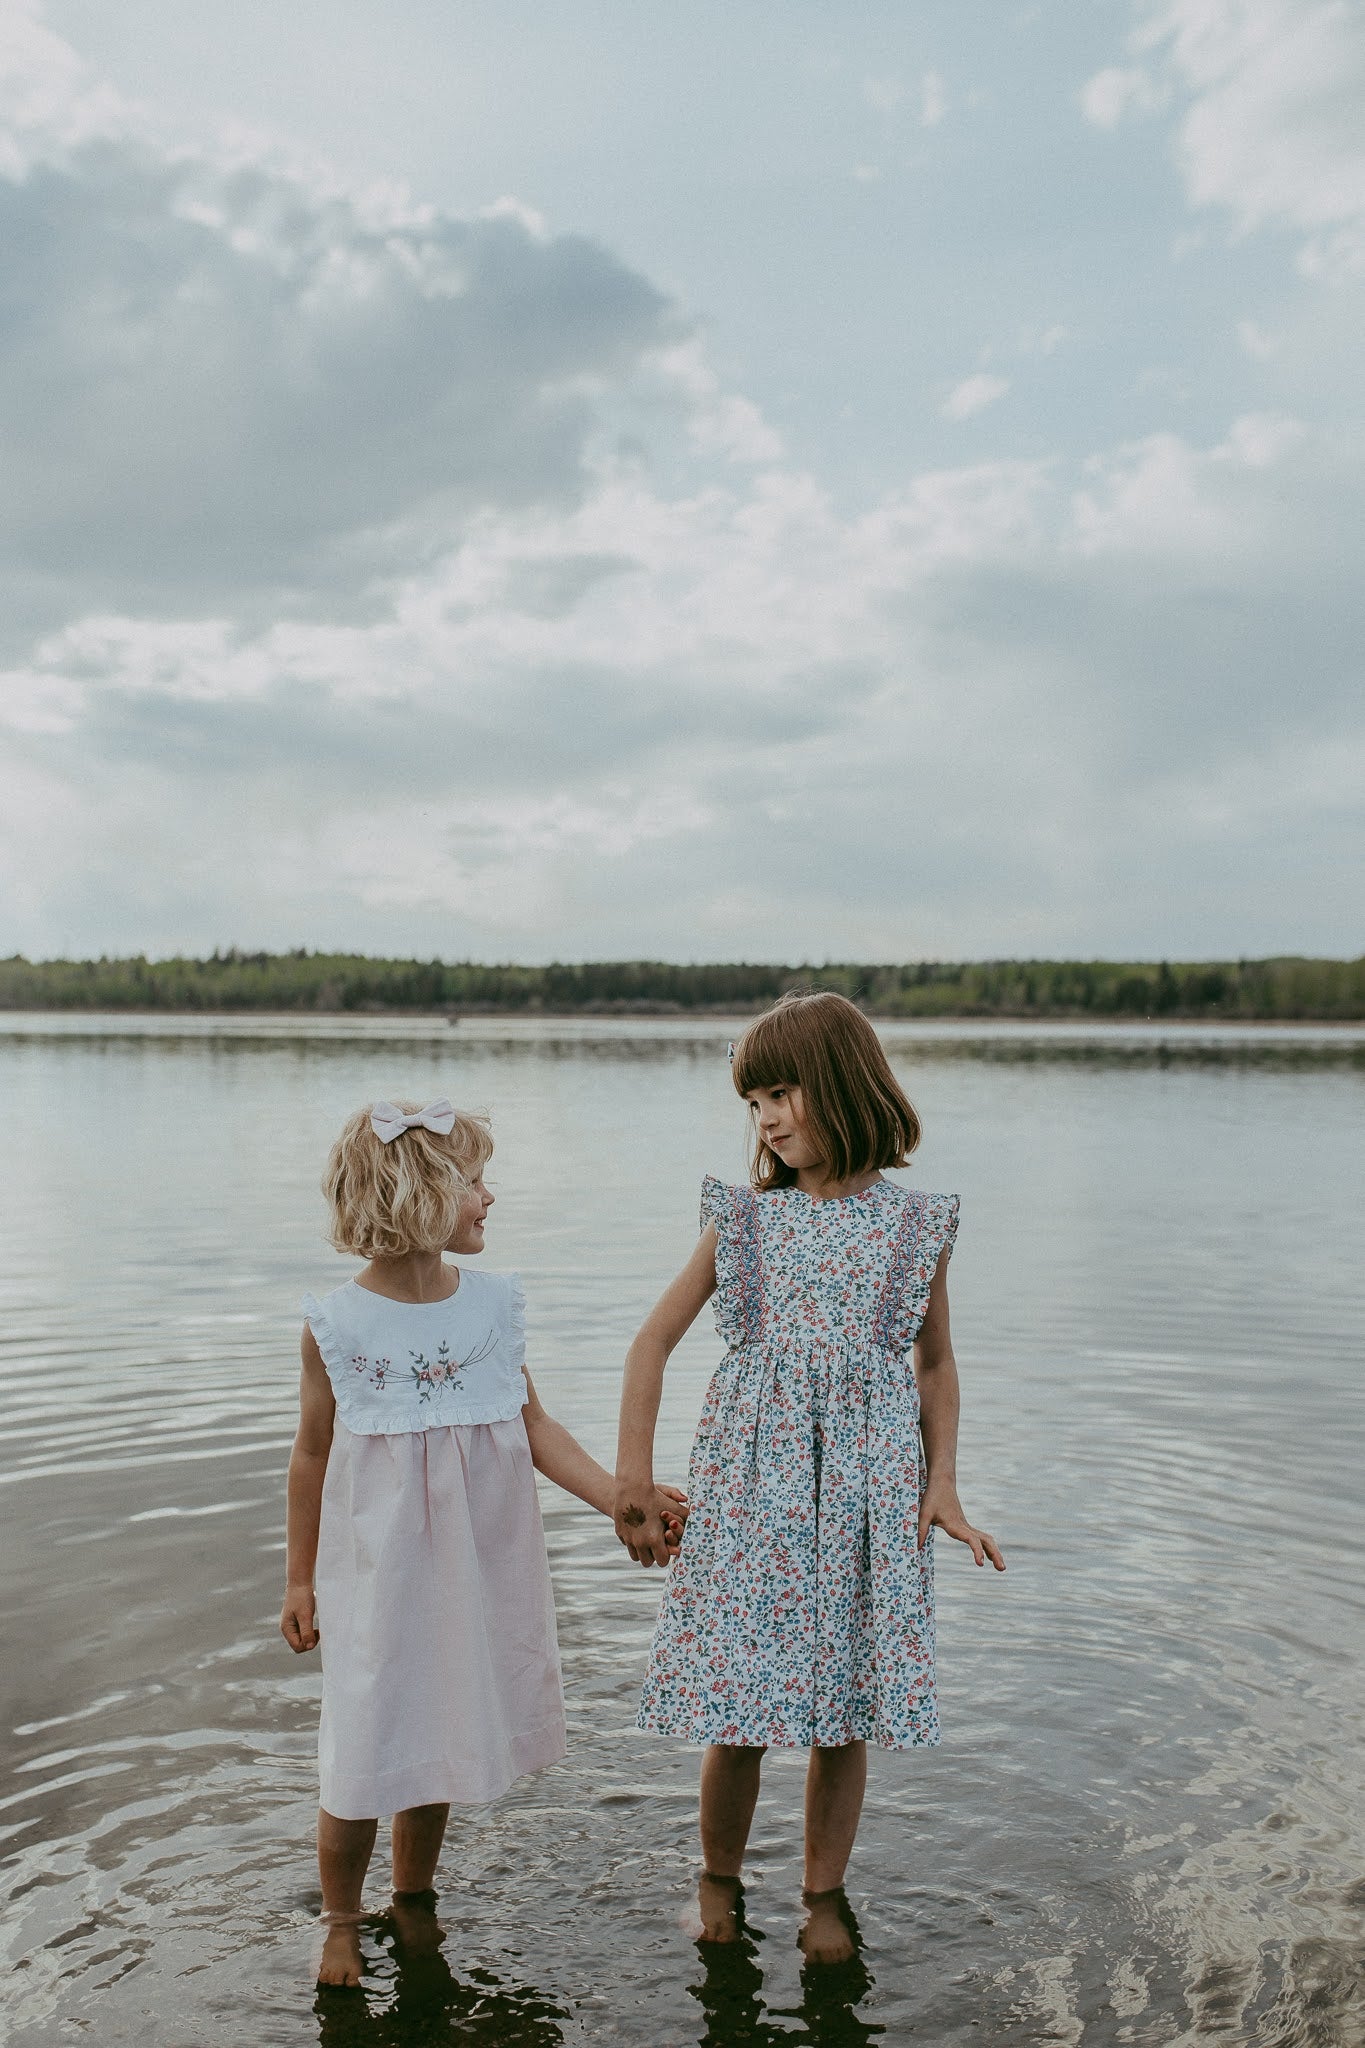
(721, 1013)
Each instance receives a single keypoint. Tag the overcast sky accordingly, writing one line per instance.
(772, 480)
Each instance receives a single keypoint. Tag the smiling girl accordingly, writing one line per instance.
(415, 1549)
(800, 1611)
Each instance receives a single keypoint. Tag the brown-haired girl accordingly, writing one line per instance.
(415, 1549)
(800, 1611)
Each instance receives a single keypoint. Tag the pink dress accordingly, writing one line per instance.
(441, 1677)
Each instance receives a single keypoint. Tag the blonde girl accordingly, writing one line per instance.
(415, 1549)
(801, 1609)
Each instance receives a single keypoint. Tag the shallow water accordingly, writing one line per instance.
(1145, 1822)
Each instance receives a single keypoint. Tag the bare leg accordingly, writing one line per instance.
(835, 1783)
(418, 1833)
(344, 1850)
(729, 1793)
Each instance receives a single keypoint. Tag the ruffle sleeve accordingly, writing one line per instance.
(324, 1332)
(945, 1210)
(739, 1268)
(516, 1321)
(928, 1232)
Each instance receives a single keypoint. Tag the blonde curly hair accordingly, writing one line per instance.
(406, 1196)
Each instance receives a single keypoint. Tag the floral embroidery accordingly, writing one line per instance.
(801, 1608)
(428, 1375)
(377, 1374)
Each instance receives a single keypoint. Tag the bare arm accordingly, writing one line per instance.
(639, 1506)
(940, 1404)
(307, 1470)
(562, 1458)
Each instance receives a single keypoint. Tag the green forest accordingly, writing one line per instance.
(1264, 990)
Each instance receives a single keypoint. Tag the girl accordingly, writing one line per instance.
(415, 1548)
(801, 1610)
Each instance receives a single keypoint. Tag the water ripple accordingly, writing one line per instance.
(1144, 1824)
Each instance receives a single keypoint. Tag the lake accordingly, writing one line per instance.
(1145, 1823)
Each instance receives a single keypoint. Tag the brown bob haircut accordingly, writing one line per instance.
(856, 1111)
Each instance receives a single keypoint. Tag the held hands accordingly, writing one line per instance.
(298, 1620)
(649, 1520)
(940, 1508)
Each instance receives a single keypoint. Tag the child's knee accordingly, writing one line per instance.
(739, 1755)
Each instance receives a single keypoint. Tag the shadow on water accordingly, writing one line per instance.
(413, 1999)
(736, 2015)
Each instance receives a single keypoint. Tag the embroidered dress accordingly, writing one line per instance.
(439, 1657)
(800, 1609)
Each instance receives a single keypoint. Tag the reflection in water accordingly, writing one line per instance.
(730, 1995)
(413, 1999)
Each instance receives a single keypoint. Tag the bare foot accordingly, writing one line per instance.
(718, 1901)
(341, 1963)
(415, 1923)
(826, 1936)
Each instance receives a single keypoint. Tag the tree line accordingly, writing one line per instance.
(1258, 990)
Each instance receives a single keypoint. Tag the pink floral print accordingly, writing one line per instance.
(800, 1609)
(426, 1374)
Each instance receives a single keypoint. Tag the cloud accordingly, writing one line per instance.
(1262, 347)
(222, 378)
(933, 99)
(518, 630)
(719, 421)
(742, 713)
(1116, 91)
(1271, 112)
(973, 395)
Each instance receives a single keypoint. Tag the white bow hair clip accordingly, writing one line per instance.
(389, 1122)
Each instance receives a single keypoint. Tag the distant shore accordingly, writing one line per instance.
(1281, 990)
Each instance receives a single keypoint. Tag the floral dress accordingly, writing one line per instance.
(800, 1609)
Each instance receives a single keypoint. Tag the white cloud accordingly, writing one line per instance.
(719, 422)
(221, 377)
(933, 99)
(1116, 91)
(1257, 343)
(623, 678)
(973, 395)
(654, 719)
(1272, 112)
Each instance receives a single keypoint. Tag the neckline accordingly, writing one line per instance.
(394, 1301)
(828, 1201)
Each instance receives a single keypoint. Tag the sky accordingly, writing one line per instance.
(491, 480)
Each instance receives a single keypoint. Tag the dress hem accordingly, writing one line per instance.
(769, 1739)
(440, 1781)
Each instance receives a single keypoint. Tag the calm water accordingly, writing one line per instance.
(1145, 1823)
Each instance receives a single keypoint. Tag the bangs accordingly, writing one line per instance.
(768, 1054)
(855, 1110)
